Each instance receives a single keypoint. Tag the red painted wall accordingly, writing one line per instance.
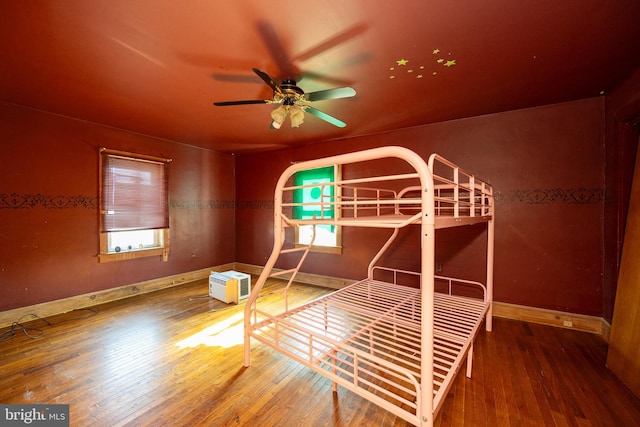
(547, 168)
(49, 208)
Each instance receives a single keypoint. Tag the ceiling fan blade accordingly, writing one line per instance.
(252, 101)
(324, 116)
(268, 80)
(335, 40)
(278, 51)
(339, 92)
(235, 78)
(324, 78)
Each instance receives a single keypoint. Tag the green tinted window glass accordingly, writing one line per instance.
(319, 196)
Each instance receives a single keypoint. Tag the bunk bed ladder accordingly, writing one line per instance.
(304, 249)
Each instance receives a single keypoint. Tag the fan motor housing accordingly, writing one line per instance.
(289, 86)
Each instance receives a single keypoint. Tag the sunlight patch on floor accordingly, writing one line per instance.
(226, 333)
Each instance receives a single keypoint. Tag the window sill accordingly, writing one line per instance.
(121, 256)
(323, 249)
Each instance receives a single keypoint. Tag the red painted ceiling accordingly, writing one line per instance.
(156, 66)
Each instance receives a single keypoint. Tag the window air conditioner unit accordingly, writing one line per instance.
(229, 286)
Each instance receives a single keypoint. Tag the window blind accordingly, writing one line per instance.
(134, 194)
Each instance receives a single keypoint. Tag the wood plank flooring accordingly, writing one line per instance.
(174, 357)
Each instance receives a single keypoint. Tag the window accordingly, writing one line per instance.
(320, 200)
(134, 206)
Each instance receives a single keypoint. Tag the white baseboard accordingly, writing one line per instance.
(560, 319)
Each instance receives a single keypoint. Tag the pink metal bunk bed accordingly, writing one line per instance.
(396, 338)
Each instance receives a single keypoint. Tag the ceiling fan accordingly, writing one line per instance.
(294, 102)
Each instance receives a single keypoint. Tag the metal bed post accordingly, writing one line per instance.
(490, 254)
(425, 410)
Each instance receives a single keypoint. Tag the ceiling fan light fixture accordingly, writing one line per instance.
(278, 115)
(297, 116)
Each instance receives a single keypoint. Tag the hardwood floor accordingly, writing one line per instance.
(174, 357)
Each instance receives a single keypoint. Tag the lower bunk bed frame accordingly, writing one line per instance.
(395, 344)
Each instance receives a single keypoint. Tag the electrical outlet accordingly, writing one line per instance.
(438, 268)
(193, 253)
(567, 323)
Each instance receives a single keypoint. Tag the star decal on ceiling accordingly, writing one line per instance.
(400, 68)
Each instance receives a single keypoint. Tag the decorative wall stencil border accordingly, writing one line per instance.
(24, 201)
(221, 204)
(254, 204)
(537, 196)
(201, 204)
